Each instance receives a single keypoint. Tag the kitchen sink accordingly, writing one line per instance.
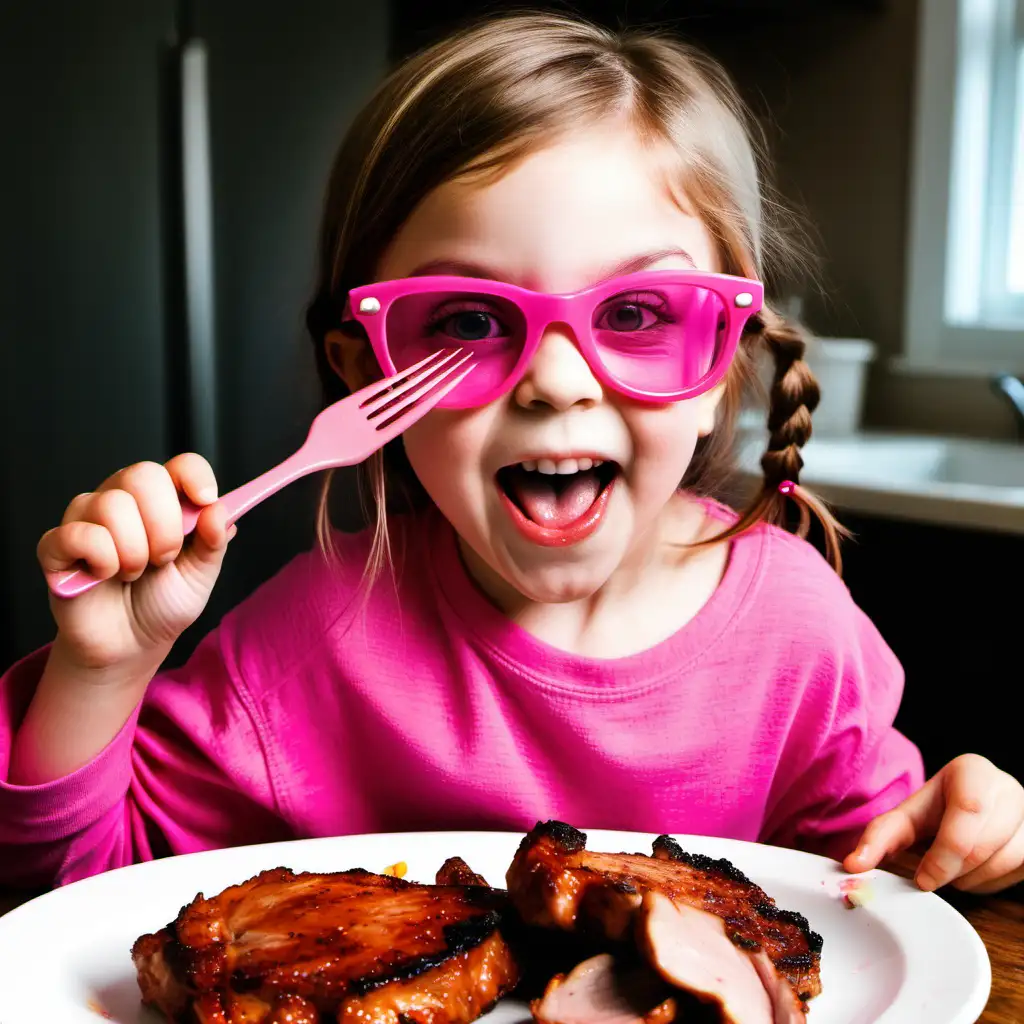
(982, 464)
(957, 481)
(895, 459)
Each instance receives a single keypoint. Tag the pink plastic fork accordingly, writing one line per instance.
(344, 434)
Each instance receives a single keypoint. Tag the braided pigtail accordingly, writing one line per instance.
(793, 398)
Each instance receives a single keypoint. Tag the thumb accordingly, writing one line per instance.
(204, 553)
(918, 816)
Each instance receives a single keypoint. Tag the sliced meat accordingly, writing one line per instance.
(784, 935)
(787, 1006)
(598, 991)
(285, 947)
(690, 949)
(554, 881)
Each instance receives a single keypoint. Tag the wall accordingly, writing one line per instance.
(86, 336)
(838, 93)
(284, 83)
(82, 385)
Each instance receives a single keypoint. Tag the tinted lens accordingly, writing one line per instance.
(661, 340)
(489, 328)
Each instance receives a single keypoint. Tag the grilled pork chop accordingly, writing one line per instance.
(286, 948)
(554, 881)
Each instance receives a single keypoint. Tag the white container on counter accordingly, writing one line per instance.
(841, 367)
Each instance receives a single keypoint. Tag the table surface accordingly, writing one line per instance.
(998, 920)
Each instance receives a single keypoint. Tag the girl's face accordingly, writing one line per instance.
(584, 209)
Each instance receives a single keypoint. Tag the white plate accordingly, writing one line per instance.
(906, 957)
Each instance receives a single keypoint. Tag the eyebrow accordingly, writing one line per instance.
(459, 268)
(631, 265)
(644, 260)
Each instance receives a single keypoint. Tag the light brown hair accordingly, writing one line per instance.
(492, 92)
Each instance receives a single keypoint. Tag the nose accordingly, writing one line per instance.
(558, 376)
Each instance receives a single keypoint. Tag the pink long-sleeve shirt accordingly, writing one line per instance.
(317, 709)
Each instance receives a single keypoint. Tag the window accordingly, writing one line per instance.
(965, 304)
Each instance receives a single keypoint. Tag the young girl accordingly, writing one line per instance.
(553, 627)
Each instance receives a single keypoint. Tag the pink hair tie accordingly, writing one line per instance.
(787, 487)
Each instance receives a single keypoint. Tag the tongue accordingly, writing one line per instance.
(555, 504)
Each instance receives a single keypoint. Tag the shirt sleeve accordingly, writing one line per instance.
(854, 764)
(189, 771)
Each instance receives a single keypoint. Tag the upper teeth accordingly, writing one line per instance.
(562, 466)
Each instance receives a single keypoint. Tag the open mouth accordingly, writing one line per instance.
(558, 503)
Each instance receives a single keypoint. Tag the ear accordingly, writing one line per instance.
(707, 406)
(351, 359)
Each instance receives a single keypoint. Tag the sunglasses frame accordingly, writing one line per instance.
(741, 298)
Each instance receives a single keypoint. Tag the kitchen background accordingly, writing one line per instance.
(148, 306)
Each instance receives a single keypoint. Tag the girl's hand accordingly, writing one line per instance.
(974, 811)
(129, 532)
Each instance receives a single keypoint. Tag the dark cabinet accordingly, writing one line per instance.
(948, 601)
(90, 333)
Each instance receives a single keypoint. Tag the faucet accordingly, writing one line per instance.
(1013, 389)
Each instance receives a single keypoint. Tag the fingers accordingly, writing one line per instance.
(969, 832)
(63, 546)
(919, 815)
(959, 845)
(193, 476)
(159, 510)
(136, 515)
(210, 538)
(1003, 869)
(76, 507)
(117, 513)
(156, 488)
(997, 857)
(884, 836)
(976, 814)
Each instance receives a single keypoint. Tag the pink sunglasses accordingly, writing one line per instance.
(655, 336)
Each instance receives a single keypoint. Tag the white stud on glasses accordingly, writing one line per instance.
(743, 300)
(372, 305)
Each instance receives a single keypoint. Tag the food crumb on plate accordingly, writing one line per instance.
(396, 870)
(856, 892)
(97, 1009)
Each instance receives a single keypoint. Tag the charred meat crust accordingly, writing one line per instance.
(567, 838)
(459, 989)
(666, 848)
(572, 840)
(554, 881)
(455, 871)
(460, 938)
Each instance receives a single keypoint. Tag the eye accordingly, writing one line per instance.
(627, 317)
(473, 325)
(631, 314)
(466, 324)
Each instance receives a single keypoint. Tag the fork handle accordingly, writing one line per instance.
(73, 582)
